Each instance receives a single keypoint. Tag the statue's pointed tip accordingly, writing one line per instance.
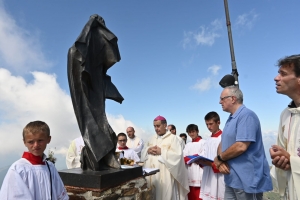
(98, 18)
(94, 16)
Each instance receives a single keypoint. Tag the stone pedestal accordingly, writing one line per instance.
(112, 184)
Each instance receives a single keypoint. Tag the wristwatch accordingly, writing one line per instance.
(219, 158)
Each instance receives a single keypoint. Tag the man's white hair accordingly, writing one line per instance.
(235, 91)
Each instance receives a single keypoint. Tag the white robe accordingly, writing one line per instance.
(171, 182)
(136, 144)
(25, 181)
(289, 139)
(194, 170)
(130, 154)
(182, 143)
(73, 154)
(213, 186)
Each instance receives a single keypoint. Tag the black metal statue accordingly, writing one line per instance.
(92, 54)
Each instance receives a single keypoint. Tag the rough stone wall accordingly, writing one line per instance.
(135, 189)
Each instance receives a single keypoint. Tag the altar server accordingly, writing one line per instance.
(213, 186)
(128, 152)
(196, 147)
(32, 177)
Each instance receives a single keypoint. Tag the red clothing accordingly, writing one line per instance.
(217, 134)
(194, 193)
(196, 139)
(123, 148)
(34, 160)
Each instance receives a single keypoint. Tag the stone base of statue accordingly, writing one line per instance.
(112, 184)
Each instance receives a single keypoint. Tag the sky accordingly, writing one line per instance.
(173, 54)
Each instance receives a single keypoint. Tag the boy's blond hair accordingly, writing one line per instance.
(36, 127)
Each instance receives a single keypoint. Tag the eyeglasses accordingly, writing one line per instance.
(122, 140)
(222, 98)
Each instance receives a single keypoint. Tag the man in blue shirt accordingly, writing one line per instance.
(241, 155)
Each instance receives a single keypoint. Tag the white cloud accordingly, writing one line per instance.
(203, 85)
(120, 124)
(216, 24)
(210, 81)
(246, 20)
(204, 36)
(19, 48)
(214, 69)
(42, 99)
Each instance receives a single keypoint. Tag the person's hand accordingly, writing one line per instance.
(203, 162)
(278, 151)
(281, 162)
(217, 162)
(157, 150)
(280, 157)
(224, 168)
(151, 150)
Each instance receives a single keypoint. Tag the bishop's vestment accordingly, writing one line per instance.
(171, 182)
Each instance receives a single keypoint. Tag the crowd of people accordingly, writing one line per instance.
(230, 164)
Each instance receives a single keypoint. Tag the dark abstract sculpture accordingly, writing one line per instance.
(92, 54)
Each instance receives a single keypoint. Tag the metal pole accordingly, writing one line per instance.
(233, 63)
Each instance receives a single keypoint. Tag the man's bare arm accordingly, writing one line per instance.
(234, 150)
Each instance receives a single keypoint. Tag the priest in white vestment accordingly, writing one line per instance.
(288, 145)
(164, 151)
(134, 142)
(286, 153)
(196, 147)
(74, 152)
(122, 147)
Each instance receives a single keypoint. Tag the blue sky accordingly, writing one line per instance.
(173, 54)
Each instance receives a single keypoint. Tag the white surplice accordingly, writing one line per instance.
(171, 183)
(136, 143)
(289, 139)
(130, 154)
(73, 154)
(194, 170)
(25, 181)
(182, 143)
(213, 186)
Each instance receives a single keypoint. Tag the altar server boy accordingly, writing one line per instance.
(128, 153)
(32, 177)
(213, 186)
(196, 147)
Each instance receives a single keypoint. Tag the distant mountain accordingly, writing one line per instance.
(269, 138)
